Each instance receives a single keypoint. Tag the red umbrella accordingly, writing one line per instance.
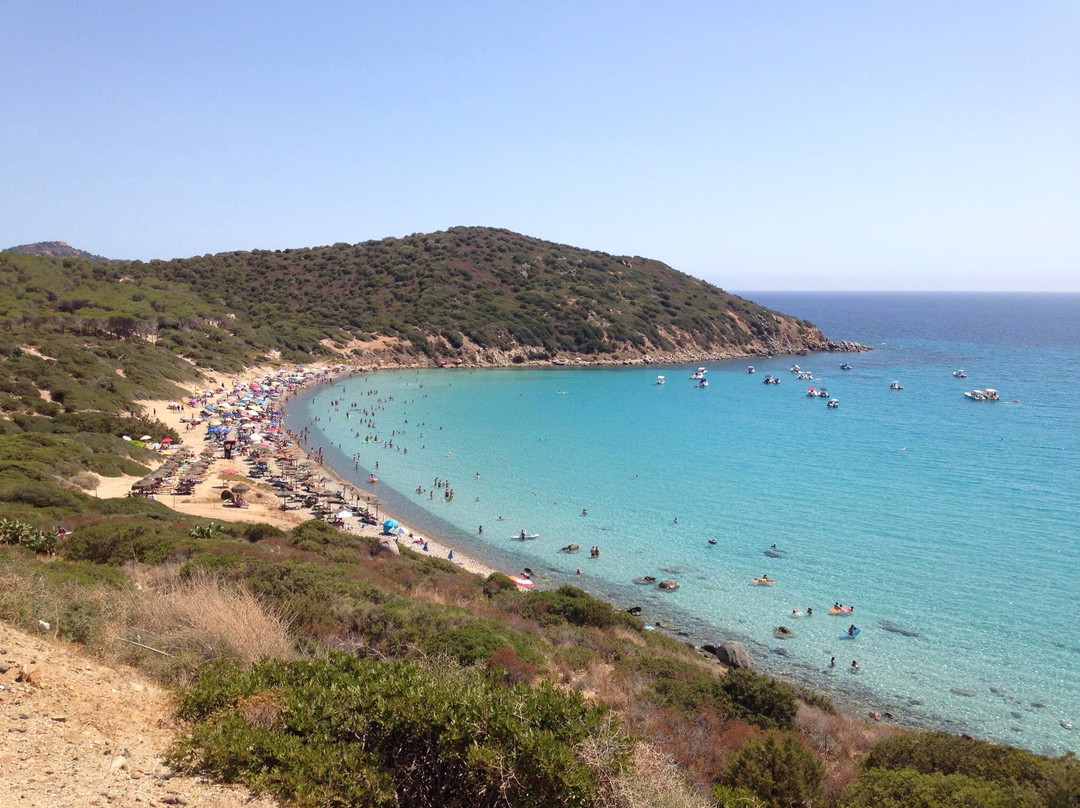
(166, 439)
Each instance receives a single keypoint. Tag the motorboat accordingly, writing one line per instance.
(845, 366)
(659, 379)
(698, 374)
(989, 394)
(805, 375)
(959, 374)
(896, 386)
(833, 404)
(817, 392)
(795, 368)
(750, 369)
(702, 383)
(769, 379)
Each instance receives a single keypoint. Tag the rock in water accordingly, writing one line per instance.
(734, 655)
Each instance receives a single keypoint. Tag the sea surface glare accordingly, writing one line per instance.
(951, 525)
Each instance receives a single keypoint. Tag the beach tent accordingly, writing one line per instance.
(389, 525)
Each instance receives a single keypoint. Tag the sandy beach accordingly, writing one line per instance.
(262, 499)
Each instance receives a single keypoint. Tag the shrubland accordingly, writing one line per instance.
(313, 669)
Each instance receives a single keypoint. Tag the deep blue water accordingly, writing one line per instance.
(951, 525)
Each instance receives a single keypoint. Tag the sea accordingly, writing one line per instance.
(950, 525)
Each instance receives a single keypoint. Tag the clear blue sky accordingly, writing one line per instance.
(757, 145)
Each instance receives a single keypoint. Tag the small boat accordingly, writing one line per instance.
(959, 374)
(817, 393)
(659, 379)
(988, 394)
(896, 386)
(845, 366)
(770, 379)
(795, 369)
(750, 369)
(522, 536)
(698, 374)
(712, 541)
(702, 383)
(764, 581)
(833, 404)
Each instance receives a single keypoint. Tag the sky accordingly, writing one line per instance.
(757, 145)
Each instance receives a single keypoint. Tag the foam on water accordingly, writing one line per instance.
(951, 525)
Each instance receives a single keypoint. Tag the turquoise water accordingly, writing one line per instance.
(951, 525)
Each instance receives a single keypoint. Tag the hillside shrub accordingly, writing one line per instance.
(940, 752)
(576, 607)
(779, 769)
(761, 700)
(118, 542)
(347, 731)
(908, 788)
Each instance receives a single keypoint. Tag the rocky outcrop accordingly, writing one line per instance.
(731, 653)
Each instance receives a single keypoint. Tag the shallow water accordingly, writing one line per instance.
(951, 525)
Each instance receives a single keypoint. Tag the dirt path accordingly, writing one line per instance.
(75, 733)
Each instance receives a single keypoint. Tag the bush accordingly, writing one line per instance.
(118, 542)
(903, 788)
(512, 668)
(940, 752)
(759, 699)
(257, 531)
(348, 731)
(779, 768)
(576, 607)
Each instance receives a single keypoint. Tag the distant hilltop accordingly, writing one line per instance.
(55, 249)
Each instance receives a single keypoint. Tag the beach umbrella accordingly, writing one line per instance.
(240, 488)
(166, 439)
(343, 514)
(389, 525)
(146, 437)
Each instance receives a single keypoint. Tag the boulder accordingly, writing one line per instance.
(668, 584)
(734, 655)
(388, 545)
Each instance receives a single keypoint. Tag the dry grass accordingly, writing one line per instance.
(205, 618)
(651, 781)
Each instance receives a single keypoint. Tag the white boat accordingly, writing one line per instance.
(795, 368)
(522, 536)
(896, 386)
(749, 368)
(817, 393)
(770, 379)
(659, 379)
(959, 374)
(702, 383)
(845, 366)
(989, 394)
(833, 404)
(698, 374)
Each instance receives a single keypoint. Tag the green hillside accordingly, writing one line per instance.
(466, 295)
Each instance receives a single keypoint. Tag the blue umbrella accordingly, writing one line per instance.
(389, 525)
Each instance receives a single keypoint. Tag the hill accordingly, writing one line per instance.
(467, 295)
(55, 249)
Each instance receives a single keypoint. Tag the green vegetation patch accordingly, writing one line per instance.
(349, 731)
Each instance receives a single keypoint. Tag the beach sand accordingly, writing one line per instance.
(262, 499)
